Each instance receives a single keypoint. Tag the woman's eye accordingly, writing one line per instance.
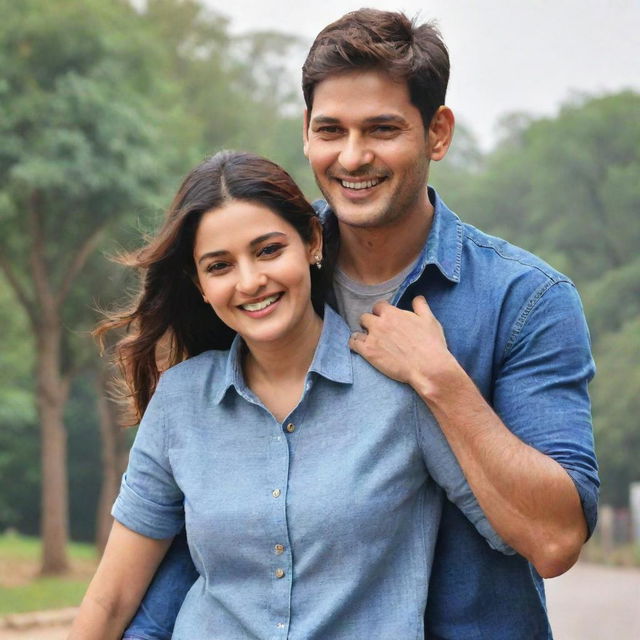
(270, 250)
(217, 267)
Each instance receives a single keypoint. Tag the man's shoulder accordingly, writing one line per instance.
(506, 261)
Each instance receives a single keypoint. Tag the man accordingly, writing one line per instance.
(490, 337)
(496, 344)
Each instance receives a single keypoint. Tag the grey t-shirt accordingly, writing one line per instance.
(355, 298)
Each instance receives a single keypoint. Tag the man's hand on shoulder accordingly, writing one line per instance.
(408, 346)
(527, 496)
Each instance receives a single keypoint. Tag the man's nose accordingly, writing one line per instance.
(355, 153)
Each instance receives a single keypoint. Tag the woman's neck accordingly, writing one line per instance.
(275, 372)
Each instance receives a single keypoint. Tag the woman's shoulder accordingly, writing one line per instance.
(196, 371)
(366, 378)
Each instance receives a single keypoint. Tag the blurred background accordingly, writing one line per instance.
(106, 104)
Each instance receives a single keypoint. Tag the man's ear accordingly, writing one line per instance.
(305, 133)
(440, 133)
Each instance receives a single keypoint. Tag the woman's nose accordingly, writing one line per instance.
(251, 279)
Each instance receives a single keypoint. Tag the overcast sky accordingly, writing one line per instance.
(506, 55)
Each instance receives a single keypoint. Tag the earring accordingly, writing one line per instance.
(318, 261)
(205, 299)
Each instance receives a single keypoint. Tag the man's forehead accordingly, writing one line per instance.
(365, 94)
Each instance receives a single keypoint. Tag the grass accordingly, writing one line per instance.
(22, 589)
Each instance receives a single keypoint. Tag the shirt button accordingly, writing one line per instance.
(291, 427)
(279, 573)
(276, 493)
(279, 548)
(280, 625)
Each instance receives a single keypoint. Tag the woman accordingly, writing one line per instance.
(300, 472)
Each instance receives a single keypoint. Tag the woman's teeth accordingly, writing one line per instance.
(263, 304)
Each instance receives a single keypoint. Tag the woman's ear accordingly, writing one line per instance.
(315, 246)
(196, 284)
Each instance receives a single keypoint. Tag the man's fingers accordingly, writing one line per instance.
(366, 320)
(420, 307)
(379, 307)
(356, 341)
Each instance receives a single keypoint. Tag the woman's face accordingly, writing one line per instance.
(253, 269)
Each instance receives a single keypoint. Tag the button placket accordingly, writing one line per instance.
(278, 549)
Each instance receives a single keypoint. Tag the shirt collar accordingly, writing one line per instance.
(332, 358)
(444, 243)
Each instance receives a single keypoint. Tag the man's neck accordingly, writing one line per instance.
(377, 254)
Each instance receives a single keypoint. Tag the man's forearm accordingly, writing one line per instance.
(528, 497)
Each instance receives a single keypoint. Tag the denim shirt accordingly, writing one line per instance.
(517, 327)
(320, 526)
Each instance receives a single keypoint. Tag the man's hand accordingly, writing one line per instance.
(402, 344)
(526, 495)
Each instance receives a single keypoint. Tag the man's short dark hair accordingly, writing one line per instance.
(369, 39)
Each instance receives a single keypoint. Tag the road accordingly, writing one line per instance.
(589, 602)
(592, 602)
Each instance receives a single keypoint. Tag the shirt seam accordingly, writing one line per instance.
(525, 263)
(164, 430)
(530, 306)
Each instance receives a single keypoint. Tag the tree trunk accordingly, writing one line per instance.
(114, 456)
(52, 392)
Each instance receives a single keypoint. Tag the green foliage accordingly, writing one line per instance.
(616, 405)
(81, 123)
(18, 423)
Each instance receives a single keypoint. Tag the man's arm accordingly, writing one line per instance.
(126, 568)
(529, 498)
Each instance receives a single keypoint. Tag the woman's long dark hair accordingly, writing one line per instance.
(168, 321)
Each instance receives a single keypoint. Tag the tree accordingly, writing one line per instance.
(80, 122)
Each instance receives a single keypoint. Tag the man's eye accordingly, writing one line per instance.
(385, 129)
(328, 130)
(270, 249)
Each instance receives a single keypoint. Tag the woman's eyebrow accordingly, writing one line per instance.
(252, 244)
(266, 236)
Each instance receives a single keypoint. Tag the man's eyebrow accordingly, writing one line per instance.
(324, 120)
(381, 118)
(255, 242)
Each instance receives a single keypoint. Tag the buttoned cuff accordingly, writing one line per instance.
(145, 517)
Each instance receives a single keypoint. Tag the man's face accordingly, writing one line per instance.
(367, 148)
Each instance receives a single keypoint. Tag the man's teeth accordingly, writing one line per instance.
(257, 306)
(366, 184)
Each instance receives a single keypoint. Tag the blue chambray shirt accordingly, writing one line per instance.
(517, 327)
(322, 526)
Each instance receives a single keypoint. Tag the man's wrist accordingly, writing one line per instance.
(439, 380)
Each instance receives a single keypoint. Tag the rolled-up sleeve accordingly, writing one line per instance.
(541, 390)
(150, 502)
(446, 472)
